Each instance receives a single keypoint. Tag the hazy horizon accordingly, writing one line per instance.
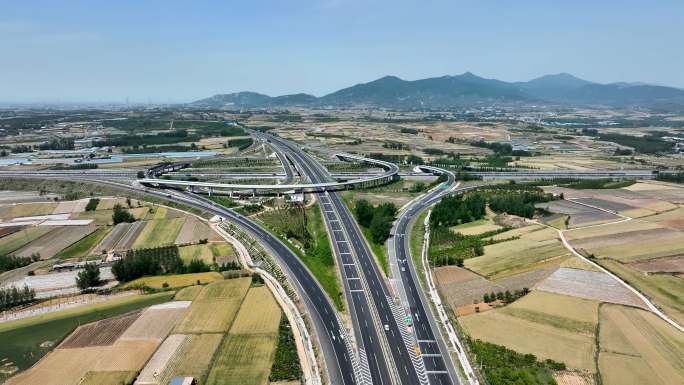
(155, 51)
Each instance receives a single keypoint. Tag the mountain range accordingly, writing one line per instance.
(466, 90)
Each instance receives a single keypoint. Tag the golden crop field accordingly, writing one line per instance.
(108, 378)
(228, 289)
(531, 328)
(214, 309)
(174, 281)
(201, 348)
(259, 313)
(30, 209)
(188, 293)
(639, 348)
(519, 255)
(243, 359)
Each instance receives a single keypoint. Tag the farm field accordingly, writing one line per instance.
(666, 291)
(639, 348)
(188, 293)
(175, 281)
(247, 352)
(129, 237)
(159, 232)
(86, 245)
(554, 337)
(26, 340)
(589, 284)
(258, 314)
(104, 217)
(201, 347)
(153, 372)
(156, 322)
(476, 227)
(110, 377)
(14, 241)
(100, 333)
(194, 230)
(579, 215)
(110, 240)
(217, 354)
(214, 309)
(70, 206)
(458, 286)
(28, 209)
(203, 252)
(53, 242)
(535, 246)
(243, 360)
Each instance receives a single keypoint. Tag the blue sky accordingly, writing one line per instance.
(171, 51)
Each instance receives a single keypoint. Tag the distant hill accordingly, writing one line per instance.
(248, 99)
(463, 91)
(445, 91)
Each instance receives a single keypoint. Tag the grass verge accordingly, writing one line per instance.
(319, 257)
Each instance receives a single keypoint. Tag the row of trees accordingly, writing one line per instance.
(506, 296)
(10, 262)
(155, 261)
(12, 296)
(676, 178)
(378, 219)
(152, 261)
(58, 144)
(502, 366)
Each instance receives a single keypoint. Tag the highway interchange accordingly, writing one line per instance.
(386, 350)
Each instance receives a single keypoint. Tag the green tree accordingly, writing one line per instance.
(88, 277)
(364, 212)
(380, 228)
(121, 215)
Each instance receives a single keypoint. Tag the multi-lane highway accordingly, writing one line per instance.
(434, 352)
(378, 320)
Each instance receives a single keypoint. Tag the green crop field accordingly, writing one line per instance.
(202, 252)
(159, 232)
(82, 248)
(22, 339)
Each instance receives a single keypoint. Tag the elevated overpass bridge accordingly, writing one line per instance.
(363, 181)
